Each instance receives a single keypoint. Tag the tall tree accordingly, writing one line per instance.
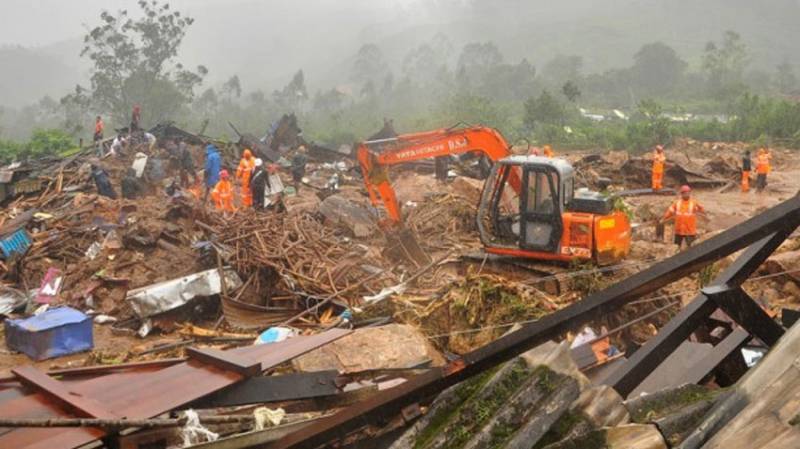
(232, 88)
(724, 63)
(785, 78)
(368, 65)
(657, 69)
(135, 61)
(561, 69)
(294, 94)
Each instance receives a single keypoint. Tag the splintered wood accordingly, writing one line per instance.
(309, 258)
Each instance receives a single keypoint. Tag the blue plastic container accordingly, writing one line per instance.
(56, 332)
(16, 243)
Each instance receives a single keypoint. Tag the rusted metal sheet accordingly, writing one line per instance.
(138, 395)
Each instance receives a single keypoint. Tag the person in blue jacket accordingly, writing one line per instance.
(212, 167)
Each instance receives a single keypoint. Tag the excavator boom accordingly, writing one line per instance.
(376, 156)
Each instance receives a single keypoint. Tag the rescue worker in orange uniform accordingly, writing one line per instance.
(762, 168)
(747, 167)
(243, 173)
(684, 211)
(659, 158)
(223, 193)
(548, 151)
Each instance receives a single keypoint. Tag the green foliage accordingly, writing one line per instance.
(544, 109)
(43, 142)
(134, 62)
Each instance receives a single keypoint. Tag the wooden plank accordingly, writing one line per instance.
(82, 405)
(225, 360)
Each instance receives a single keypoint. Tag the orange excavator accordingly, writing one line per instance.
(529, 206)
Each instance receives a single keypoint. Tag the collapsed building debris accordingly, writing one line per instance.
(264, 345)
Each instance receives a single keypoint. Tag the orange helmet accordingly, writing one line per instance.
(685, 189)
(224, 174)
(247, 154)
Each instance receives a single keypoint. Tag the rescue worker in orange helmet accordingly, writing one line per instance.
(659, 158)
(684, 211)
(243, 173)
(548, 151)
(747, 167)
(762, 168)
(223, 193)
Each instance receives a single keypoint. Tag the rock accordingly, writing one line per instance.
(395, 346)
(354, 217)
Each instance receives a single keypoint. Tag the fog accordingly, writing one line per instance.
(265, 42)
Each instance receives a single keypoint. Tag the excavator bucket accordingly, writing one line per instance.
(403, 244)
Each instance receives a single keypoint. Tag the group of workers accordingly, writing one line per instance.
(260, 186)
(685, 210)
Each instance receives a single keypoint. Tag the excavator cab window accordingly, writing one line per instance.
(541, 225)
(505, 208)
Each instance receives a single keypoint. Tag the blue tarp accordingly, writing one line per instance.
(53, 333)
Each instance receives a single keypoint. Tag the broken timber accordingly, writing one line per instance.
(773, 224)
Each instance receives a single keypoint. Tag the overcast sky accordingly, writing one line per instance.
(43, 22)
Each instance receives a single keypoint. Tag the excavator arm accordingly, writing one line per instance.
(376, 156)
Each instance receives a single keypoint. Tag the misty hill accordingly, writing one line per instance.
(266, 42)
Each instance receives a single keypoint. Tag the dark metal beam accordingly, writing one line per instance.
(628, 376)
(784, 215)
(743, 309)
(288, 387)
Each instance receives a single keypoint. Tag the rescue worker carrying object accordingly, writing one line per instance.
(223, 193)
(762, 168)
(659, 158)
(243, 173)
(684, 211)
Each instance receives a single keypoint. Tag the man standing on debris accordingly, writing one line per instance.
(130, 186)
(548, 151)
(258, 184)
(684, 211)
(299, 162)
(746, 168)
(136, 117)
(211, 171)
(762, 168)
(659, 158)
(186, 165)
(99, 127)
(243, 173)
(102, 182)
(223, 193)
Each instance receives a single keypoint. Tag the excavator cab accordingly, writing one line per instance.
(529, 208)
